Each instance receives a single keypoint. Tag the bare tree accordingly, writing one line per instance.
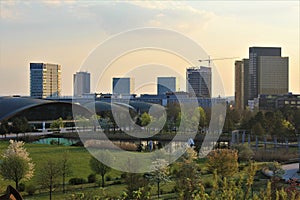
(66, 169)
(48, 175)
(100, 168)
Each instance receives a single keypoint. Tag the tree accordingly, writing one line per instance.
(56, 125)
(203, 120)
(16, 164)
(82, 122)
(19, 125)
(48, 175)
(95, 121)
(135, 181)
(297, 120)
(224, 161)
(188, 174)
(66, 169)
(160, 173)
(257, 129)
(245, 152)
(4, 127)
(98, 167)
(145, 119)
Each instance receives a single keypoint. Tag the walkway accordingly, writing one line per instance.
(291, 171)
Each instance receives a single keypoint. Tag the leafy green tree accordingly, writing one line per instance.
(145, 119)
(4, 127)
(203, 120)
(173, 110)
(56, 126)
(224, 161)
(19, 125)
(297, 120)
(48, 175)
(16, 164)
(269, 122)
(257, 129)
(100, 168)
(187, 175)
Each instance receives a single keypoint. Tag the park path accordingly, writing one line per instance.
(291, 171)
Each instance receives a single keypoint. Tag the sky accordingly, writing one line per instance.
(67, 32)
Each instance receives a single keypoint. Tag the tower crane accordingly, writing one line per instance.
(209, 59)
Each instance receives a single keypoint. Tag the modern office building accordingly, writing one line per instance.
(81, 83)
(273, 75)
(45, 80)
(265, 63)
(124, 86)
(198, 81)
(241, 84)
(274, 102)
(166, 84)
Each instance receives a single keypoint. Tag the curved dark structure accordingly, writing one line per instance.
(37, 109)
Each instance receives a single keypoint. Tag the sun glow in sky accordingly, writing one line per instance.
(65, 32)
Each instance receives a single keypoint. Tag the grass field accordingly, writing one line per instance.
(79, 159)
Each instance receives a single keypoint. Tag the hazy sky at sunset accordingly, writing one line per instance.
(66, 32)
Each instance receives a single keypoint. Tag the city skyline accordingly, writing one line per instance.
(34, 32)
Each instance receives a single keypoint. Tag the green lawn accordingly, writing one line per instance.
(79, 159)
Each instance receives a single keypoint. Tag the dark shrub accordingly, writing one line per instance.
(123, 175)
(108, 178)
(117, 182)
(92, 178)
(21, 187)
(30, 189)
(208, 184)
(77, 181)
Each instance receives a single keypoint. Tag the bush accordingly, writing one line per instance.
(92, 178)
(208, 184)
(77, 181)
(123, 175)
(54, 142)
(245, 153)
(117, 182)
(30, 189)
(108, 178)
(21, 187)
(224, 161)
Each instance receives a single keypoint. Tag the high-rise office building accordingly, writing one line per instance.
(241, 83)
(123, 86)
(256, 67)
(166, 84)
(265, 72)
(81, 83)
(45, 80)
(273, 75)
(199, 81)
